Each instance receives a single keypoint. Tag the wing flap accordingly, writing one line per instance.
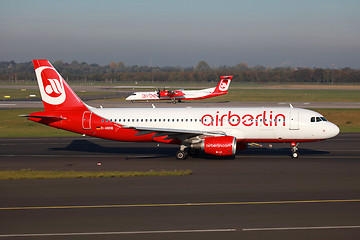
(172, 131)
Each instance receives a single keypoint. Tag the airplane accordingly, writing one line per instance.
(215, 131)
(179, 95)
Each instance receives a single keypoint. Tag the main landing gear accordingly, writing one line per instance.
(294, 149)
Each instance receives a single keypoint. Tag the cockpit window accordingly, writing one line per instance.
(324, 119)
(318, 119)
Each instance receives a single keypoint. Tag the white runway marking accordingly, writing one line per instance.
(300, 228)
(176, 231)
(119, 233)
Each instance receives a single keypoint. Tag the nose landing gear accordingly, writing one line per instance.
(294, 153)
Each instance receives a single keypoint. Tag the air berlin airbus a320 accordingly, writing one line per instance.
(215, 131)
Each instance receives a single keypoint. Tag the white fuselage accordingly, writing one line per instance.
(188, 94)
(267, 124)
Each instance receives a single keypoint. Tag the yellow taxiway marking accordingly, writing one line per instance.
(181, 204)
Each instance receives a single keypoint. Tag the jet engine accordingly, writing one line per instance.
(219, 146)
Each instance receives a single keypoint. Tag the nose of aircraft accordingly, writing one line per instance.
(333, 130)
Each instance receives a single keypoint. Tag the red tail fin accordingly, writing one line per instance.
(223, 84)
(55, 92)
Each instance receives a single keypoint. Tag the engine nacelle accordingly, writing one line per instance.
(219, 146)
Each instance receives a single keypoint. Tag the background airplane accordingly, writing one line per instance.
(215, 131)
(178, 95)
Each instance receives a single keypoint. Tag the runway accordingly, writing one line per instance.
(185, 104)
(261, 194)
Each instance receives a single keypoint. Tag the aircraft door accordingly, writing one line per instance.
(86, 120)
(294, 119)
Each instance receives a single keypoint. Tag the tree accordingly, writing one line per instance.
(242, 66)
(202, 66)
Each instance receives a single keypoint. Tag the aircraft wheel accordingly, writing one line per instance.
(295, 155)
(181, 155)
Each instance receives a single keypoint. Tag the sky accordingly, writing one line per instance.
(271, 33)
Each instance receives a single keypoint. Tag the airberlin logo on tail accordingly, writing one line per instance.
(51, 85)
(224, 85)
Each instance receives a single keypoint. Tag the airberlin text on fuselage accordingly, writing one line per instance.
(266, 118)
(149, 95)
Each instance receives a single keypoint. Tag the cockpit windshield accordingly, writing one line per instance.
(318, 119)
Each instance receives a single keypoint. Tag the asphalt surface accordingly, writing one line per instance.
(195, 103)
(261, 194)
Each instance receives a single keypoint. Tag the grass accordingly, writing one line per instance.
(346, 119)
(11, 125)
(281, 95)
(289, 95)
(24, 94)
(18, 93)
(31, 174)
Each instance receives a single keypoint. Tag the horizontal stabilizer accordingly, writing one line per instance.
(44, 117)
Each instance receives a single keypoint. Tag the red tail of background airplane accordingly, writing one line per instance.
(223, 84)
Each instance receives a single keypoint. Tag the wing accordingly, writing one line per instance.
(172, 133)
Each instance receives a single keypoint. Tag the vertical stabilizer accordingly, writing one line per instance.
(55, 92)
(223, 84)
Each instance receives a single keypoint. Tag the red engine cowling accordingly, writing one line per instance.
(220, 146)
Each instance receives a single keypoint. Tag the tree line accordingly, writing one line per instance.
(117, 72)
